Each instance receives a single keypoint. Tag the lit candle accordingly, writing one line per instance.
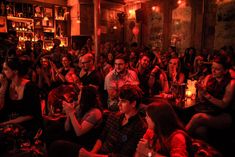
(188, 93)
(188, 102)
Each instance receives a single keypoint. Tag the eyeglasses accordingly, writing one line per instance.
(86, 62)
(119, 64)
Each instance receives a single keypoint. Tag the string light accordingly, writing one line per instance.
(156, 8)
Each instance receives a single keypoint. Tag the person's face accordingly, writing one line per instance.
(83, 51)
(44, 62)
(170, 49)
(190, 52)
(119, 65)
(149, 121)
(102, 60)
(217, 70)
(86, 63)
(125, 106)
(144, 62)
(132, 55)
(8, 72)
(173, 64)
(110, 56)
(65, 62)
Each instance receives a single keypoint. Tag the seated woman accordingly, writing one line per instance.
(19, 98)
(175, 78)
(165, 135)
(215, 99)
(66, 74)
(174, 71)
(200, 68)
(158, 82)
(82, 120)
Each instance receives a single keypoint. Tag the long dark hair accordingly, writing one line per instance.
(88, 100)
(14, 63)
(165, 120)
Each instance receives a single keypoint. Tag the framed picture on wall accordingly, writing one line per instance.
(60, 13)
(3, 24)
(48, 12)
(48, 22)
(38, 11)
(38, 23)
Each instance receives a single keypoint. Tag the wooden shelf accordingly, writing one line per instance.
(19, 19)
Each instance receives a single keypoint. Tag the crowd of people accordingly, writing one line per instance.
(125, 105)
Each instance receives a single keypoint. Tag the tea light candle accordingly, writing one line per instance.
(188, 102)
(188, 93)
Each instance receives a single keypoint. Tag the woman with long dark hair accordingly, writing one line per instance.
(19, 98)
(82, 124)
(165, 135)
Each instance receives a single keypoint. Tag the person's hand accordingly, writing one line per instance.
(201, 91)
(200, 88)
(3, 84)
(143, 148)
(68, 108)
(53, 66)
(84, 153)
(155, 70)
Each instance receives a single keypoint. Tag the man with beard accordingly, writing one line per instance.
(143, 73)
(117, 78)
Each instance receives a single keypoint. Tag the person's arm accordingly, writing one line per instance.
(152, 78)
(82, 128)
(112, 93)
(164, 82)
(53, 73)
(71, 76)
(17, 120)
(56, 73)
(60, 76)
(134, 78)
(178, 146)
(85, 126)
(228, 96)
(84, 153)
(97, 146)
(181, 78)
(67, 124)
